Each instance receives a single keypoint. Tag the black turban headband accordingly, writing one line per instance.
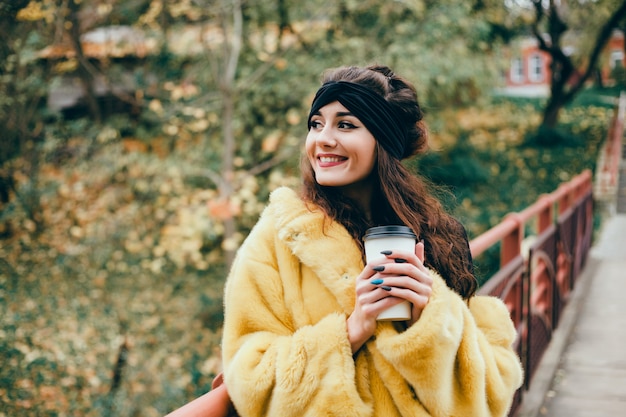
(378, 116)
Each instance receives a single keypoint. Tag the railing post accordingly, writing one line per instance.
(545, 217)
(512, 242)
(565, 197)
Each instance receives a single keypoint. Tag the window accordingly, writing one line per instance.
(617, 58)
(517, 70)
(535, 68)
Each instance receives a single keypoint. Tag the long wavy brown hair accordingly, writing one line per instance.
(400, 197)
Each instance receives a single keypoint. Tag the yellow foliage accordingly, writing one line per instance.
(33, 12)
(270, 142)
(66, 66)
(293, 117)
(150, 18)
(156, 106)
(280, 64)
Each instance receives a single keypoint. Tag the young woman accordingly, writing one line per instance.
(300, 332)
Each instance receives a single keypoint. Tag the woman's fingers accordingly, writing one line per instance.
(395, 269)
(402, 257)
(403, 275)
(394, 277)
(419, 251)
(384, 282)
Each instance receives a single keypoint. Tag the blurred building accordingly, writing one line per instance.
(529, 73)
(102, 47)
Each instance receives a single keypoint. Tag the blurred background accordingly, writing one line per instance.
(140, 139)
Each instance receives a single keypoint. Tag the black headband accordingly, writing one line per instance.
(378, 116)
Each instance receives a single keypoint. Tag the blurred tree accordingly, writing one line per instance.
(551, 24)
(426, 41)
(22, 89)
(8, 11)
(10, 73)
(234, 79)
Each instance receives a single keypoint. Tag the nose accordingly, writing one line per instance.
(326, 137)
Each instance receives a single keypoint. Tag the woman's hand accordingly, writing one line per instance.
(384, 282)
(409, 280)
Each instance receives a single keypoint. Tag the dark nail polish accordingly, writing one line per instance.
(400, 261)
(386, 288)
(386, 252)
(379, 268)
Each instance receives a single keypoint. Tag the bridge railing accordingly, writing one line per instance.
(610, 156)
(538, 272)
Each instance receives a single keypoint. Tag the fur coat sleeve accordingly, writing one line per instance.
(285, 345)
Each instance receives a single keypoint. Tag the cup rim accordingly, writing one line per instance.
(378, 232)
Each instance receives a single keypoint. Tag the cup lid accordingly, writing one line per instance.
(389, 230)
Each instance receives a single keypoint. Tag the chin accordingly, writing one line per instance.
(328, 184)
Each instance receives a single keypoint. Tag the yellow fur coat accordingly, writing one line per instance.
(285, 344)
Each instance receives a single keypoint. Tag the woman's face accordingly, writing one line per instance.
(339, 147)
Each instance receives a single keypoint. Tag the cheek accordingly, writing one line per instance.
(371, 153)
(309, 145)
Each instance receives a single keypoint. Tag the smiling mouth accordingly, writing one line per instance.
(331, 159)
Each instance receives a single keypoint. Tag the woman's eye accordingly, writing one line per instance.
(346, 125)
(314, 124)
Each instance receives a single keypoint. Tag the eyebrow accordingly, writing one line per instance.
(338, 114)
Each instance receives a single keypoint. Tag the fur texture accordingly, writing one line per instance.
(285, 344)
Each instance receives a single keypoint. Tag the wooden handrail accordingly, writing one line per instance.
(610, 154)
(563, 197)
(535, 280)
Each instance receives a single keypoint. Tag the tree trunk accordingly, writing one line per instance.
(13, 135)
(551, 112)
(84, 73)
(8, 12)
(226, 190)
(227, 89)
(563, 89)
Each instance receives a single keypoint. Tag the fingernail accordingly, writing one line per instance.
(376, 281)
(379, 268)
(399, 260)
(386, 288)
(386, 252)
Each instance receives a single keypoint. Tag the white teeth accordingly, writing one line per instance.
(328, 159)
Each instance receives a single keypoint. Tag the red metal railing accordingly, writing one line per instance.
(538, 272)
(610, 154)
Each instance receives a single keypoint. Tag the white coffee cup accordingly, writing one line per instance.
(393, 238)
